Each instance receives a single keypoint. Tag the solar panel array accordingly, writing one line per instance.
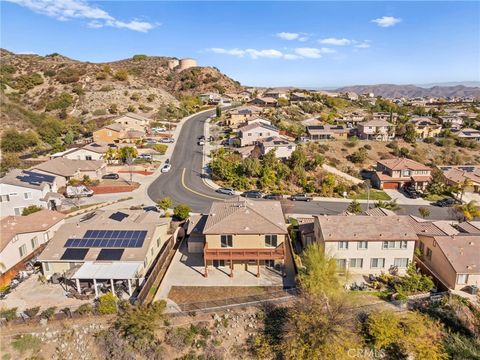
(109, 239)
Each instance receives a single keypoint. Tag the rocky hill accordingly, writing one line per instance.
(412, 91)
(62, 86)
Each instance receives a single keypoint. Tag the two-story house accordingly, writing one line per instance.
(425, 127)
(242, 235)
(367, 244)
(263, 102)
(385, 116)
(109, 134)
(380, 130)
(252, 133)
(132, 121)
(455, 175)
(451, 121)
(327, 132)
(241, 115)
(24, 237)
(282, 147)
(394, 173)
(22, 188)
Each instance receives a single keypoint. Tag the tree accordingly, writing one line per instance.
(30, 210)
(468, 211)
(390, 205)
(69, 137)
(165, 203)
(424, 212)
(125, 153)
(358, 156)
(110, 155)
(107, 304)
(354, 207)
(182, 211)
(410, 135)
(218, 112)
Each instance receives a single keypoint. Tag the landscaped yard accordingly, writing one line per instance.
(433, 197)
(374, 195)
(193, 294)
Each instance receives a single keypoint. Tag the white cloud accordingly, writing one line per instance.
(288, 35)
(387, 21)
(325, 50)
(363, 45)
(312, 53)
(335, 41)
(65, 10)
(253, 53)
(292, 57)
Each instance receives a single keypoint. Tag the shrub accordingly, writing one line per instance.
(107, 304)
(367, 146)
(135, 96)
(48, 313)
(26, 342)
(99, 112)
(131, 108)
(101, 75)
(107, 88)
(62, 101)
(77, 89)
(8, 314)
(26, 82)
(139, 57)
(121, 75)
(30, 210)
(14, 141)
(144, 108)
(85, 309)
(165, 203)
(151, 97)
(181, 211)
(113, 109)
(69, 75)
(161, 148)
(358, 156)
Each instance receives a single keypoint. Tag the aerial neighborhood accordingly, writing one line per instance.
(153, 208)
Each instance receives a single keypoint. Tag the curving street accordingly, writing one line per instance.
(184, 183)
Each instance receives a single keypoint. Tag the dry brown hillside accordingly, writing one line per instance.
(63, 86)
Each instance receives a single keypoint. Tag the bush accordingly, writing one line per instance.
(69, 75)
(48, 313)
(85, 309)
(77, 89)
(161, 148)
(26, 82)
(107, 88)
(8, 314)
(135, 96)
(107, 304)
(62, 101)
(165, 203)
(131, 108)
(139, 57)
(181, 211)
(358, 156)
(49, 73)
(99, 112)
(367, 146)
(151, 97)
(30, 210)
(101, 75)
(14, 141)
(121, 75)
(113, 109)
(26, 342)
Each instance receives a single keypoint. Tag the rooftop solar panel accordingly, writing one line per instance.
(74, 254)
(108, 239)
(110, 254)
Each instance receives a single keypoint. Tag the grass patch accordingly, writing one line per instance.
(433, 197)
(27, 342)
(374, 195)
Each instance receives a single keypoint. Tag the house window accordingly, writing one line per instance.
(22, 250)
(429, 253)
(343, 245)
(462, 279)
(34, 242)
(18, 210)
(421, 246)
(109, 133)
(394, 245)
(249, 134)
(226, 240)
(270, 263)
(46, 236)
(5, 198)
(434, 243)
(341, 264)
(27, 195)
(46, 266)
(400, 262)
(377, 263)
(271, 240)
(88, 157)
(406, 173)
(356, 263)
(219, 263)
(362, 245)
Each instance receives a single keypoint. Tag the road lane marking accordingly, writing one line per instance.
(196, 192)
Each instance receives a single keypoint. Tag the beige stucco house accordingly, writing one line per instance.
(132, 121)
(394, 173)
(379, 130)
(283, 148)
(252, 133)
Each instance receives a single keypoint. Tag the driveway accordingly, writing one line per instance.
(403, 200)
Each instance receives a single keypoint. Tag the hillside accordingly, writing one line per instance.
(62, 86)
(412, 91)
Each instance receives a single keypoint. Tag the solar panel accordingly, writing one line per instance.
(110, 254)
(108, 239)
(74, 254)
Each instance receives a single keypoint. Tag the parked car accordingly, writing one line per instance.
(273, 196)
(411, 193)
(166, 168)
(446, 202)
(226, 191)
(201, 138)
(201, 142)
(252, 194)
(167, 140)
(151, 208)
(150, 141)
(301, 197)
(78, 191)
(145, 157)
(159, 129)
(111, 176)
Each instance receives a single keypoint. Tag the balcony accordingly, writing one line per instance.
(277, 253)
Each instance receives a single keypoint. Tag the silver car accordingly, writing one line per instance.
(226, 191)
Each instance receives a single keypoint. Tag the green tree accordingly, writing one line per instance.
(354, 207)
(218, 111)
(107, 304)
(15, 141)
(389, 205)
(424, 212)
(468, 211)
(125, 153)
(182, 211)
(30, 210)
(358, 156)
(410, 135)
(69, 137)
(165, 203)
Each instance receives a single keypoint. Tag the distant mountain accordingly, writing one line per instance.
(412, 91)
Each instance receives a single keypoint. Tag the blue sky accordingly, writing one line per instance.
(311, 44)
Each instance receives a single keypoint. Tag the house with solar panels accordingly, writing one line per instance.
(106, 250)
(22, 188)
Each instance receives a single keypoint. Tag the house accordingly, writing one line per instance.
(379, 130)
(394, 173)
(306, 231)
(276, 94)
(64, 169)
(109, 134)
(351, 119)
(452, 260)
(385, 116)
(425, 127)
(250, 134)
(241, 114)
(246, 95)
(460, 174)
(132, 121)
(22, 188)
(210, 98)
(451, 121)
(106, 247)
(92, 151)
(24, 237)
(352, 96)
(469, 134)
(263, 102)
(282, 147)
(241, 234)
(327, 132)
(469, 227)
(367, 244)
(298, 97)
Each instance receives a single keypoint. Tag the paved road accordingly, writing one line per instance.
(184, 184)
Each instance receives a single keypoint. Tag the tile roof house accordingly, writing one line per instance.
(385, 116)
(394, 173)
(106, 246)
(327, 132)
(252, 133)
(23, 237)
(239, 231)
(470, 227)
(454, 261)
(263, 102)
(379, 130)
(282, 147)
(92, 151)
(132, 121)
(109, 134)
(469, 133)
(367, 244)
(425, 127)
(22, 188)
(458, 174)
(241, 114)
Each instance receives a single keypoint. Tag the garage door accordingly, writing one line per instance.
(392, 185)
(195, 247)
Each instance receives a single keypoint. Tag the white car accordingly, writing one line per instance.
(78, 191)
(166, 168)
(201, 142)
(159, 129)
